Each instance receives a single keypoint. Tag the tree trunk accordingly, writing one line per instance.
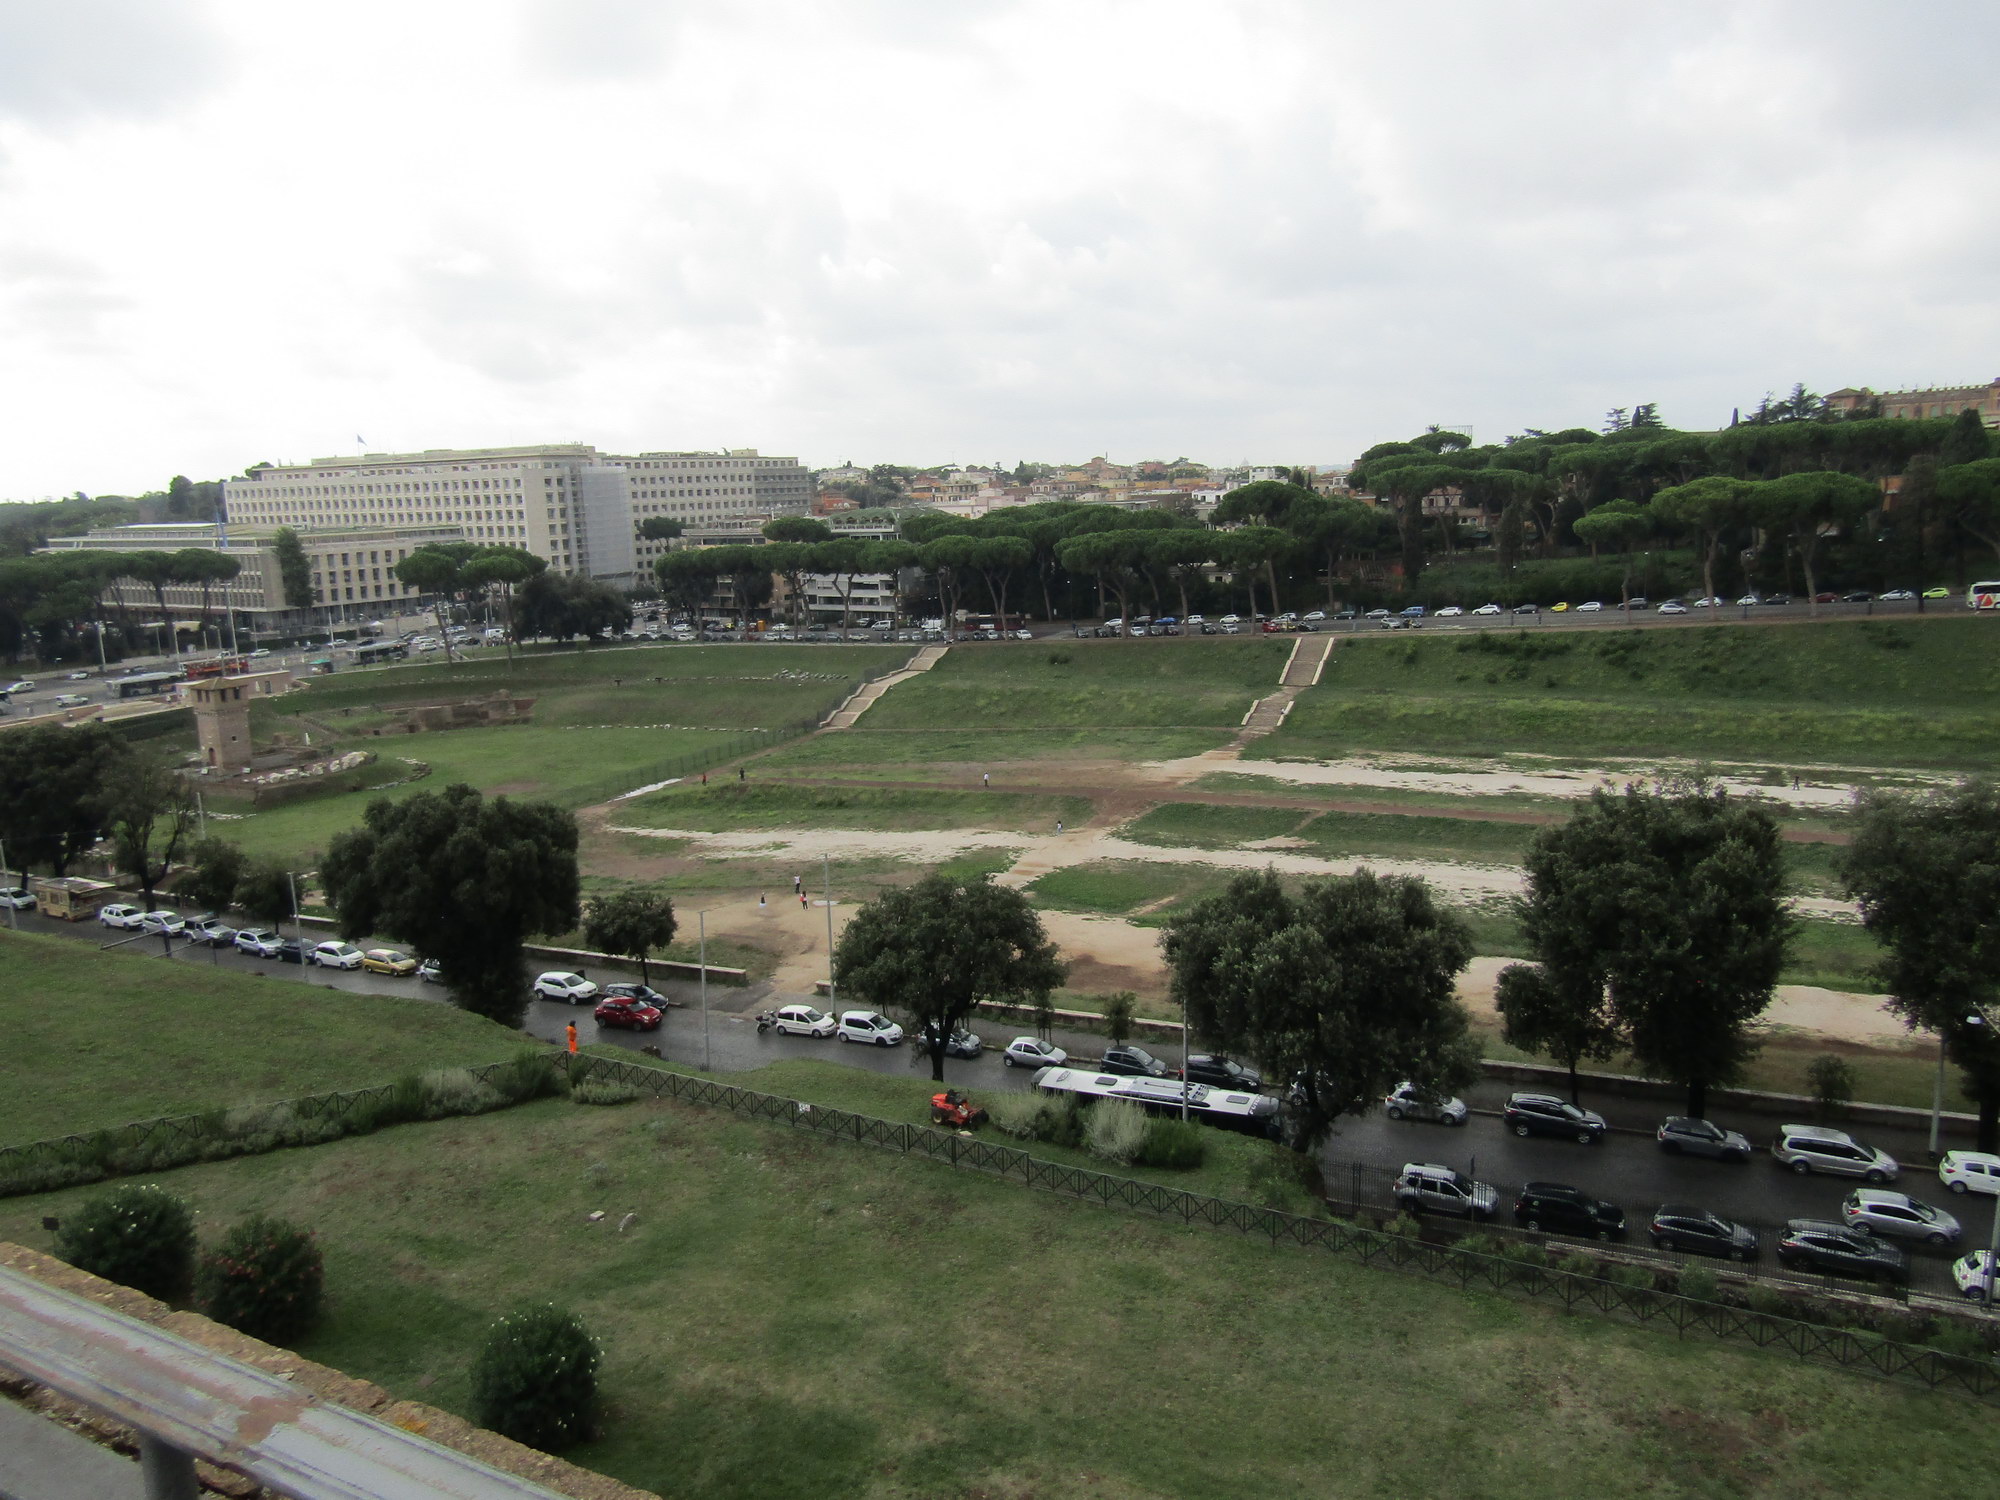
(1698, 1098)
(937, 1041)
(1410, 524)
(1806, 550)
(1575, 1084)
(1989, 1126)
(1708, 575)
(1271, 582)
(1048, 604)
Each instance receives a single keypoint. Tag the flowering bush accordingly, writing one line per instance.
(139, 1236)
(265, 1279)
(535, 1381)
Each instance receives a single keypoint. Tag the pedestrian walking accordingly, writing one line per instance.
(740, 774)
(760, 904)
(572, 1038)
(798, 884)
(704, 778)
(986, 779)
(1058, 825)
(804, 905)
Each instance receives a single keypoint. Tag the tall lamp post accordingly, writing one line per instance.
(826, 889)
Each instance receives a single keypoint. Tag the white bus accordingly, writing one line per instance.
(1983, 596)
(1256, 1114)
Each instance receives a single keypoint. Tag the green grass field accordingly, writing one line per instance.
(1204, 825)
(1121, 888)
(791, 1317)
(1907, 693)
(1411, 836)
(98, 1039)
(1088, 684)
(728, 804)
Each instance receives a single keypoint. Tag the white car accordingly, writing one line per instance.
(1673, 607)
(558, 985)
(868, 1026)
(70, 700)
(1590, 608)
(20, 898)
(1970, 1172)
(1748, 599)
(260, 653)
(1231, 620)
(258, 942)
(802, 1020)
(1713, 601)
(119, 915)
(1452, 612)
(1312, 617)
(1487, 609)
(156, 922)
(1975, 1275)
(1033, 1052)
(18, 687)
(334, 955)
(1407, 1102)
(1899, 594)
(79, 677)
(1203, 619)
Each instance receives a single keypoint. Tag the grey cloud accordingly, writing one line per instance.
(607, 39)
(61, 63)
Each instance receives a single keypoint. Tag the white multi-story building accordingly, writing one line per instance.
(565, 502)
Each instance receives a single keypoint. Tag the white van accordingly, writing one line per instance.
(868, 1026)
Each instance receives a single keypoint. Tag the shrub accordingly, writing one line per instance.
(525, 1076)
(1832, 1082)
(604, 1093)
(1957, 1339)
(1115, 1129)
(457, 1091)
(535, 1380)
(1178, 1145)
(1699, 1283)
(1579, 1264)
(1521, 1253)
(1016, 1114)
(265, 1279)
(1479, 1243)
(1769, 1300)
(140, 1236)
(1403, 1226)
(1636, 1277)
(1060, 1121)
(1118, 1010)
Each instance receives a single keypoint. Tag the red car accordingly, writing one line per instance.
(635, 1015)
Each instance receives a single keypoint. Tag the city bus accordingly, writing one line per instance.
(1983, 596)
(377, 652)
(1253, 1114)
(146, 684)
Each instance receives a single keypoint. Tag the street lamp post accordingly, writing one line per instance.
(13, 915)
(826, 886)
(701, 919)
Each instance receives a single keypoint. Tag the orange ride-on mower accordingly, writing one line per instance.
(954, 1109)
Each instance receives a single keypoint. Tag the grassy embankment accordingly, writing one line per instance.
(605, 722)
(1058, 700)
(1915, 693)
(97, 1039)
(792, 1317)
(727, 806)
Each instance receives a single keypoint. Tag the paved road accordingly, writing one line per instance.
(1360, 1161)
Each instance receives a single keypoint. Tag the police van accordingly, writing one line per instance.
(1254, 1114)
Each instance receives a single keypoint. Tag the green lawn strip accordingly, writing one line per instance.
(1305, 792)
(1413, 836)
(98, 1039)
(573, 767)
(1208, 825)
(1122, 683)
(1117, 887)
(921, 753)
(729, 805)
(761, 1338)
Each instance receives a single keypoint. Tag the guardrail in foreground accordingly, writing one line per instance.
(187, 1402)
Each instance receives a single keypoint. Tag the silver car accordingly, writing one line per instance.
(1898, 1216)
(1813, 1148)
(1427, 1188)
(1408, 1102)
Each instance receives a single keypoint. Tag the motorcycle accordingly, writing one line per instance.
(766, 1019)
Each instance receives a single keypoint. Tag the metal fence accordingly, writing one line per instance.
(1845, 1347)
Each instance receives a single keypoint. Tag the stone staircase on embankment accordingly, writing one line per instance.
(863, 698)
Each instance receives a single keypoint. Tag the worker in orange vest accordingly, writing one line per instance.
(572, 1039)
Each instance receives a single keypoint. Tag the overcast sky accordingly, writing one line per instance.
(953, 230)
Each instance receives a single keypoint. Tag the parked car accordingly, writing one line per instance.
(1937, 593)
(1377, 614)
(1898, 1216)
(19, 897)
(802, 1020)
(334, 954)
(1856, 596)
(1545, 1114)
(1590, 607)
(1696, 1231)
(1898, 595)
(291, 951)
(1311, 616)
(1975, 1275)
(1700, 1138)
(1132, 1062)
(1777, 599)
(16, 687)
(1412, 611)
(1970, 1172)
(1822, 1245)
(258, 942)
(560, 984)
(153, 923)
(1749, 599)
(961, 1043)
(1408, 1102)
(1826, 596)
(430, 971)
(868, 1026)
(1673, 607)
(1452, 612)
(1527, 609)
(210, 929)
(628, 1012)
(388, 961)
(1557, 1208)
(1033, 1052)
(1487, 609)
(645, 994)
(1428, 1188)
(1814, 1148)
(1220, 1072)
